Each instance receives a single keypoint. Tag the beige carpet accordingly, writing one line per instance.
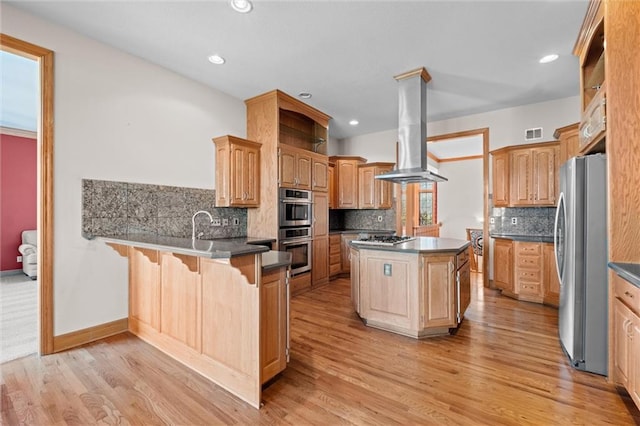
(18, 317)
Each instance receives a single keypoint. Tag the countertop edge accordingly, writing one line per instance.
(627, 271)
(527, 238)
(402, 247)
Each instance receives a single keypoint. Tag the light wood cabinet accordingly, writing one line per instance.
(528, 271)
(463, 283)
(500, 162)
(568, 137)
(345, 250)
(277, 120)
(550, 282)
(533, 176)
(144, 286)
(355, 279)
(439, 292)
(331, 183)
(503, 264)
(320, 212)
(295, 168)
(626, 337)
(274, 318)
(346, 176)
(320, 232)
(237, 172)
(320, 173)
(374, 193)
(335, 258)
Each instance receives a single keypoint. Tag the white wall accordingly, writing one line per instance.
(460, 200)
(117, 117)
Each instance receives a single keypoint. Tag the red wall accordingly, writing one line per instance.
(18, 195)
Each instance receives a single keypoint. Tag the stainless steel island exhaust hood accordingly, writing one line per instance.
(412, 131)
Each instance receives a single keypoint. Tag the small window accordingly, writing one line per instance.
(426, 204)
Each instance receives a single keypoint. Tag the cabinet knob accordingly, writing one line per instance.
(626, 293)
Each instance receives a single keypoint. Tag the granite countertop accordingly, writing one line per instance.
(213, 249)
(520, 237)
(629, 271)
(246, 240)
(420, 245)
(275, 259)
(362, 231)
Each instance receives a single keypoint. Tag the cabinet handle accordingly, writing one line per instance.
(626, 293)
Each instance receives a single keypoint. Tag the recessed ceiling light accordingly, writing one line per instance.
(304, 95)
(216, 59)
(548, 58)
(242, 6)
(354, 122)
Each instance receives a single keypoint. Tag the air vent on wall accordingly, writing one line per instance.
(533, 134)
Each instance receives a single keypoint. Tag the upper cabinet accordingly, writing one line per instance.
(294, 168)
(320, 173)
(346, 177)
(526, 175)
(374, 193)
(237, 172)
(591, 50)
(331, 185)
(569, 145)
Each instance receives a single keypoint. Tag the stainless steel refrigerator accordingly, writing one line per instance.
(580, 239)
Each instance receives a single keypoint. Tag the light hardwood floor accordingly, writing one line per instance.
(504, 366)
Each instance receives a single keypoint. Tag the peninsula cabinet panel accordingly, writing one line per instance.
(273, 323)
(391, 291)
(181, 299)
(439, 308)
(144, 286)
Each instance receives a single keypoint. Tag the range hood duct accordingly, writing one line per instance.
(412, 131)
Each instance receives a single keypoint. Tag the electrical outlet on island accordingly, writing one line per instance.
(514, 220)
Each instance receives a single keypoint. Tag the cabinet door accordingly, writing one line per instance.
(346, 248)
(438, 292)
(501, 179)
(335, 259)
(320, 261)
(144, 287)
(252, 177)
(331, 186)
(273, 323)
(503, 264)
(366, 187)
(355, 279)
(347, 184)
(551, 284)
(287, 169)
(320, 214)
(634, 360)
(520, 178)
(464, 283)
(544, 175)
(303, 172)
(384, 190)
(320, 175)
(622, 329)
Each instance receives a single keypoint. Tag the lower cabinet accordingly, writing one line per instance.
(320, 262)
(274, 323)
(526, 271)
(626, 337)
(335, 257)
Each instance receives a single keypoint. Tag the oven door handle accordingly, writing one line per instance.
(289, 242)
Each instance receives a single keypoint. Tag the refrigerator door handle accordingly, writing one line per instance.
(556, 236)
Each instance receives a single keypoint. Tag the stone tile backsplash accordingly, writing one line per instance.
(362, 219)
(530, 220)
(117, 208)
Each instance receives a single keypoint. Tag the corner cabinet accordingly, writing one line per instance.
(374, 193)
(237, 172)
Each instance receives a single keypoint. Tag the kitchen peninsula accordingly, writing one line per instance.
(218, 306)
(417, 288)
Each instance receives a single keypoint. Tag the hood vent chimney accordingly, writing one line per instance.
(412, 130)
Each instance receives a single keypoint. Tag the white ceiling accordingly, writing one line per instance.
(482, 55)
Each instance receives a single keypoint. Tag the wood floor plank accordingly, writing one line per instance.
(504, 366)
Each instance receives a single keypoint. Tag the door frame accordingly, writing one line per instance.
(44, 57)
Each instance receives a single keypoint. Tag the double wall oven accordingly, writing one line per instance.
(295, 217)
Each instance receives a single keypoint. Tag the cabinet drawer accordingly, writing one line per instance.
(530, 262)
(334, 248)
(335, 269)
(529, 288)
(532, 275)
(335, 259)
(627, 293)
(462, 258)
(528, 248)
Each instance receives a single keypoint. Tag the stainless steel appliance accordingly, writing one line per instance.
(382, 240)
(297, 241)
(295, 208)
(580, 240)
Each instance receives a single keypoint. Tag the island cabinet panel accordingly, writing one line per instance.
(273, 323)
(388, 298)
(144, 286)
(181, 299)
(439, 308)
(355, 280)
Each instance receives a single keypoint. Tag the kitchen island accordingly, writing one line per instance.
(418, 288)
(221, 307)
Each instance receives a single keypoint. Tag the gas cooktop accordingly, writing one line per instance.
(383, 240)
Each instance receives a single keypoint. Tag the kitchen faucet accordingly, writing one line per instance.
(193, 222)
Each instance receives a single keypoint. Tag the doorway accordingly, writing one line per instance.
(44, 58)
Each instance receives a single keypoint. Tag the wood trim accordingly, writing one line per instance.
(45, 181)
(593, 16)
(559, 131)
(422, 72)
(10, 131)
(454, 135)
(290, 103)
(433, 157)
(470, 157)
(97, 332)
